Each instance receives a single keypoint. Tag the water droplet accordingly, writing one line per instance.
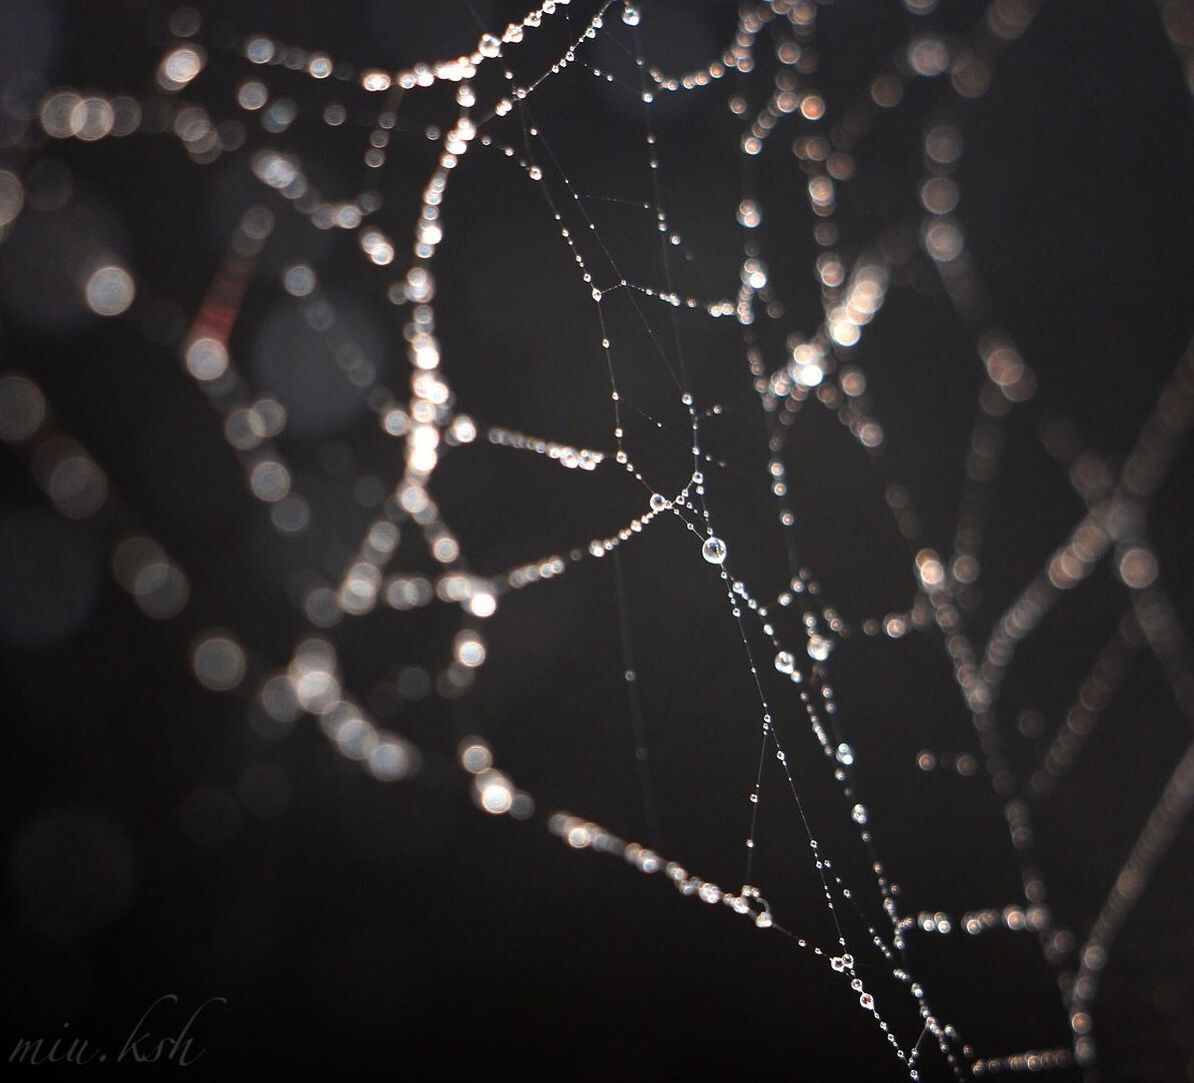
(819, 648)
(709, 893)
(714, 550)
(858, 814)
(845, 754)
(784, 662)
(659, 502)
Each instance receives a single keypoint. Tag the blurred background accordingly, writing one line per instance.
(169, 828)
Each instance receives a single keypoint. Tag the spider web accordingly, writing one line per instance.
(696, 407)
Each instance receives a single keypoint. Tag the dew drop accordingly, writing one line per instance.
(784, 662)
(659, 502)
(714, 550)
(709, 893)
(819, 648)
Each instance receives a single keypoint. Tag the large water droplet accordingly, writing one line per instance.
(784, 662)
(819, 648)
(714, 550)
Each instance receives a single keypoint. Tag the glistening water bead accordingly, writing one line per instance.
(819, 648)
(785, 662)
(714, 550)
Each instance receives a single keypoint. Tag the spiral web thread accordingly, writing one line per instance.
(495, 120)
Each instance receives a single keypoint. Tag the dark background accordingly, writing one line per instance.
(156, 841)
